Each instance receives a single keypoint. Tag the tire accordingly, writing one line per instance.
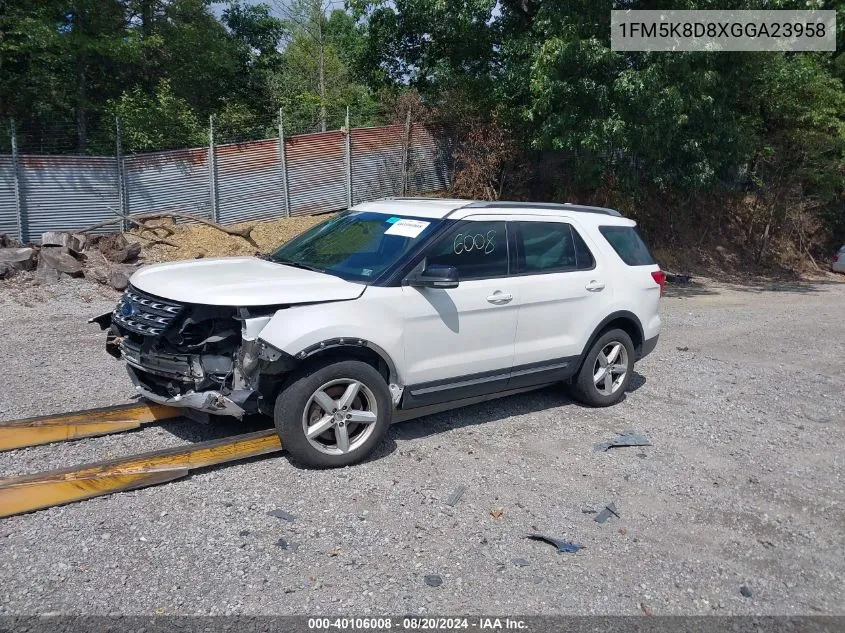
(300, 405)
(609, 391)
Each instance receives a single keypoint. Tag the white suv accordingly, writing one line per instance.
(394, 309)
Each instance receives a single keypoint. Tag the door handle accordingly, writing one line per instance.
(500, 298)
(595, 286)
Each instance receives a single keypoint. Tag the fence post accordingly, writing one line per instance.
(16, 174)
(406, 152)
(212, 171)
(123, 203)
(283, 164)
(348, 150)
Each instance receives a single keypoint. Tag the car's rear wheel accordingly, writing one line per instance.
(606, 371)
(333, 413)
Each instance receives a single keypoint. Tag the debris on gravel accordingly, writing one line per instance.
(563, 547)
(455, 497)
(282, 514)
(623, 439)
(433, 580)
(608, 511)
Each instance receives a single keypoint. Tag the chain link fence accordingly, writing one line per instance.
(246, 180)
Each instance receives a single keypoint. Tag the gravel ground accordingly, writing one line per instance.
(742, 399)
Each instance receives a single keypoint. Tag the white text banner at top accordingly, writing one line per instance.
(711, 31)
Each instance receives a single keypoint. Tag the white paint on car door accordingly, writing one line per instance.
(559, 310)
(450, 333)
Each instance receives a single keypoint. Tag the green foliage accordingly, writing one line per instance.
(318, 79)
(157, 121)
(431, 44)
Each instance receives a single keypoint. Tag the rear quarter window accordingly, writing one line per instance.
(628, 245)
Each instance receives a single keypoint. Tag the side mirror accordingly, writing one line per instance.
(434, 276)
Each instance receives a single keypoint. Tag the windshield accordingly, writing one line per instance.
(355, 245)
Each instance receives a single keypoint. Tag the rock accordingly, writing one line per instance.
(132, 251)
(745, 591)
(433, 580)
(118, 279)
(72, 241)
(45, 274)
(53, 238)
(115, 275)
(59, 259)
(19, 258)
(78, 242)
(111, 246)
(7, 270)
(282, 514)
(100, 274)
(116, 249)
(8, 242)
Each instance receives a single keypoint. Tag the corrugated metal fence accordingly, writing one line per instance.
(256, 180)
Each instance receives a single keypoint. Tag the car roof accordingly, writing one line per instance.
(438, 208)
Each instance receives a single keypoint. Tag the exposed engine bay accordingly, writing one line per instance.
(201, 357)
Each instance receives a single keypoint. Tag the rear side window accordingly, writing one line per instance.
(552, 247)
(582, 252)
(628, 245)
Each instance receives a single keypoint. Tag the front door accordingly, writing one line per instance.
(459, 342)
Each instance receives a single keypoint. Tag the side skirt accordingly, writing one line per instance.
(497, 382)
(403, 415)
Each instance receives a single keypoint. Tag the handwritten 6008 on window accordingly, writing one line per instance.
(476, 249)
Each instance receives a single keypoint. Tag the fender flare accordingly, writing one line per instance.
(613, 316)
(351, 342)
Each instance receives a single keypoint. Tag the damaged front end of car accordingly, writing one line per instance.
(201, 357)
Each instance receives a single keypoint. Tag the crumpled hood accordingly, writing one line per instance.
(241, 281)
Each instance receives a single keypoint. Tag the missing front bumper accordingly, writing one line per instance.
(236, 404)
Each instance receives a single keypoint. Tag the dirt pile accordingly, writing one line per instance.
(194, 241)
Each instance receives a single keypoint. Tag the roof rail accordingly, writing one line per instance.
(421, 198)
(552, 206)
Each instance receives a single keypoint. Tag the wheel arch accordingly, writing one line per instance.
(352, 347)
(624, 320)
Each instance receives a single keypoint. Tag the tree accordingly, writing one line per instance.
(319, 74)
(253, 102)
(158, 121)
(59, 61)
(307, 20)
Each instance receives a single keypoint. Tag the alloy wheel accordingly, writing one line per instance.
(611, 368)
(340, 416)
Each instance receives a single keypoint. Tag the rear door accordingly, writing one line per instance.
(564, 293)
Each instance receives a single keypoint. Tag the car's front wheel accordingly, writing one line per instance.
(606, 371)
(333, 413)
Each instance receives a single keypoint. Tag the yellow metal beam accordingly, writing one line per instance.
(57, 487)
(72, 426)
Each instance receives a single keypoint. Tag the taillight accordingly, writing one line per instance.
(836, 258)
(660, 279)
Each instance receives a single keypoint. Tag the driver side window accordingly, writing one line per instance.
(479, 250)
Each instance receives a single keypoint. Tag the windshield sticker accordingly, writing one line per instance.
(367, 272)
(407, 228)
(393, 220)
(466, 242)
